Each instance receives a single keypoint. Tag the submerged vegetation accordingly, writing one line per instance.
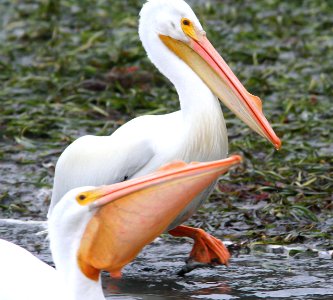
(68, 68)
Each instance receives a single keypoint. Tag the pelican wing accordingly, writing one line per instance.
(99, 160)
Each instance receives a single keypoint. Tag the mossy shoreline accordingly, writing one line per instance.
(69, 68)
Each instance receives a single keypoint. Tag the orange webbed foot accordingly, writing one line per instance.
(206, 249)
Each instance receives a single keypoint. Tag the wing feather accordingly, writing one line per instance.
(99, 160)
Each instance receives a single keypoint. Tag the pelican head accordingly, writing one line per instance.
(170, 27)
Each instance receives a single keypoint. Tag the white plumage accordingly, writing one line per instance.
(23, 276)
(176, 43)
(195, 133)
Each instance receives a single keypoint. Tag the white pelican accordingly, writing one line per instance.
(177, 44)
(102, 229)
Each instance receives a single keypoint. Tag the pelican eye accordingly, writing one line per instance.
(188, 28)
(82, 197)
(186, 22)
(85, 198)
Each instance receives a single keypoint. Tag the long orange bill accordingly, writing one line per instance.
(206, 62)
(169, 173)
(133, 213)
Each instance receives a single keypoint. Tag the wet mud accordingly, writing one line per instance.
(264, 272)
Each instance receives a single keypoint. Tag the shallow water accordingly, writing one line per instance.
(249, 276)
(153, 275)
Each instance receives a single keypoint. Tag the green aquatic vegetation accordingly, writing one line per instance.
(69, 68)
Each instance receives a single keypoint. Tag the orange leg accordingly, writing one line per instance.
(206, 249)
(115, 274)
